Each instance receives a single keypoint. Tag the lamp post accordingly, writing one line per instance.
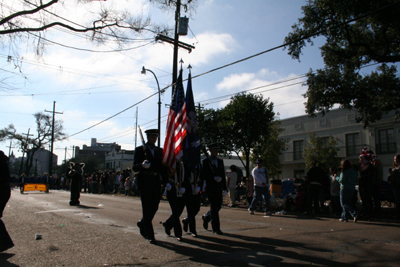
(159, 101)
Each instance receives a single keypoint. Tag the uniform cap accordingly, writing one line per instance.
(153, 132)
(214, 146)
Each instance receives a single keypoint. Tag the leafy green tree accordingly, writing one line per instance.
(245, 127)
(358, 34)
(248, 119)
(318, 150)
(210, 126)
(270, 149)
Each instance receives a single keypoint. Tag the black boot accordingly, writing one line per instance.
(185, 224)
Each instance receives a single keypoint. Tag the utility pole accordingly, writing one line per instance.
(23, 150)
(9, 150)
(65, 155)
(52, 137)
(136, 127)
(176, 42)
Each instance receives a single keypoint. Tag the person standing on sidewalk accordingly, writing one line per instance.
(261, 187)
(5, 193)
(348, 180)
(231, 184)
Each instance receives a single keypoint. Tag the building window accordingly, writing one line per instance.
(353, 144)
(386, 143)
(298, 147)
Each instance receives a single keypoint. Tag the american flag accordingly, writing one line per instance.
(176, 127)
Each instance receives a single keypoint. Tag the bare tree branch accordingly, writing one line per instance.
(27, 12)
(50, 25)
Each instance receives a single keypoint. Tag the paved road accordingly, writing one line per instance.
(102, 232)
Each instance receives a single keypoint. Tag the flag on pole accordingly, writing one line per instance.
(191, 152)
(176, 127)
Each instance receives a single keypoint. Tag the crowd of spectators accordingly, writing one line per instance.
(318, 192)
(99, 182)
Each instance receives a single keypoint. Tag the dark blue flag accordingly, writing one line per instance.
(191, 151)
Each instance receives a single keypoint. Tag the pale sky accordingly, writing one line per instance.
(89, 87)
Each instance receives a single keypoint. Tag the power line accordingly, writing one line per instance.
(250, 57)
(115, 114)
(72, 71)
(259, 87)
(90, 50)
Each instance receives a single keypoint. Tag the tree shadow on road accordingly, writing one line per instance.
(238, 250)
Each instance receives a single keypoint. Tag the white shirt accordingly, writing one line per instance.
(260, 176)
(232, 178)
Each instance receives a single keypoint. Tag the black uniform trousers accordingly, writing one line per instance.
(177, 205)
(75, 191)
(193, 207)
(215, 199)
(5, 239)
(150, 188)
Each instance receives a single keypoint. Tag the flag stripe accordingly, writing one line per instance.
(176, 127)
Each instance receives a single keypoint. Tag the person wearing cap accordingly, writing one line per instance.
(5, 193)
(213, 174)
(194, 183)
(176, 188)
(261, 188)
(151, 175)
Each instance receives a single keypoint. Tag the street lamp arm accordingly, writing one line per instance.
(159, 101)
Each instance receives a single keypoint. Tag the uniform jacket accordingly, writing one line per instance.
(208, 174)
(156, 173)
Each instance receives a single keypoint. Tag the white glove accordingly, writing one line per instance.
(182, 191)
(146, 164)
(224, 193)
(169, 186)
(197, 190)
(217, 179)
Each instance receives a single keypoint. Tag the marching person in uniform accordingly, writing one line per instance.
(151, 175)
(213, 173)
(176, 187)
(192, 200)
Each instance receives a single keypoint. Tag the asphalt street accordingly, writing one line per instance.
(102, 231)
